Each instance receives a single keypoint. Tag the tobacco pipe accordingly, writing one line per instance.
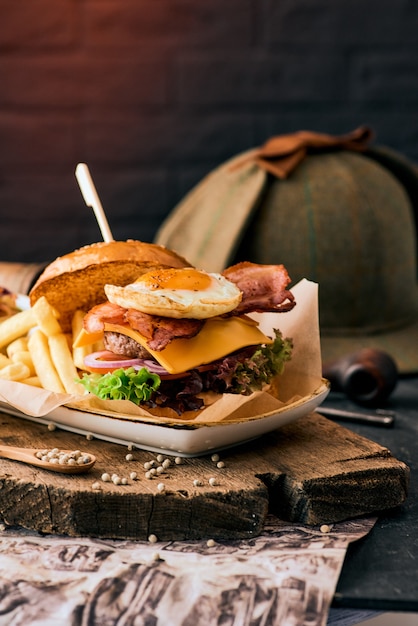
(367, 377)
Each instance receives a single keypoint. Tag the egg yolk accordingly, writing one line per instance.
(187, 279)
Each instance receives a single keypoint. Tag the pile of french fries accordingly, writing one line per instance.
(35, 351)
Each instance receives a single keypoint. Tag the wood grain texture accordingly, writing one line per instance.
(312, 472)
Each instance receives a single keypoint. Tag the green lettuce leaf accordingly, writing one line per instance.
(122, 384)
(253, 373)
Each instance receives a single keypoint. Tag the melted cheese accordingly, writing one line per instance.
(217, 338)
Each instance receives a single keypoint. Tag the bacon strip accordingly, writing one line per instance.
(95, 319)
(159, 331)
(263, 287)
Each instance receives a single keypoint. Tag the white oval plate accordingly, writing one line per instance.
(187, 440)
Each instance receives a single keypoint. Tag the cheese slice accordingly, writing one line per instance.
(217, 338)
(86, 339)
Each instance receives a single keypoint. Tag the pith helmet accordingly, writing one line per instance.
(345, 218)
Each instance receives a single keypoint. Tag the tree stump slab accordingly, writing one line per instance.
(312, 472)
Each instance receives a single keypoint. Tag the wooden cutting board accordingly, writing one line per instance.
(312, 471)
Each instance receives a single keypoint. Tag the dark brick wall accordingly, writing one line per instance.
(153, 94)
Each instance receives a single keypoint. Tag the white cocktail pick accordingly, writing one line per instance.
(92, 199)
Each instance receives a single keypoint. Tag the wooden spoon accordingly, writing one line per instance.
(64, 461)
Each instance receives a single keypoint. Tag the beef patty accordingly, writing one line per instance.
(126, 346)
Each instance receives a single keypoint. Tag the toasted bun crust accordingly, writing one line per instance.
(76, 280)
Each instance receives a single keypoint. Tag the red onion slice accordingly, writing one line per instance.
(153, 366)
(108, 361)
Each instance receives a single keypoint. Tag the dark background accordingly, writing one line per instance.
(153, 94)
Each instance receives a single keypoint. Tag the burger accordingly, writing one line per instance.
(10, 303)
(172, 334)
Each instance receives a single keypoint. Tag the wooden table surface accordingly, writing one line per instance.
(381, 572)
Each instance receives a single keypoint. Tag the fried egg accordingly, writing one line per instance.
(179, 293)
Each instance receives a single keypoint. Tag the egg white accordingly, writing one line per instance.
(219, 297)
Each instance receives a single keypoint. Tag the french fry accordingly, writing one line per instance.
(24, 356)
(15, 371)
(41, 357)
(32, 380)
(46, 317)
(77, 322)
(63, 360)
(16, 326)
(37, 352)
(83, 351)
(4, 360)
(18, 345)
